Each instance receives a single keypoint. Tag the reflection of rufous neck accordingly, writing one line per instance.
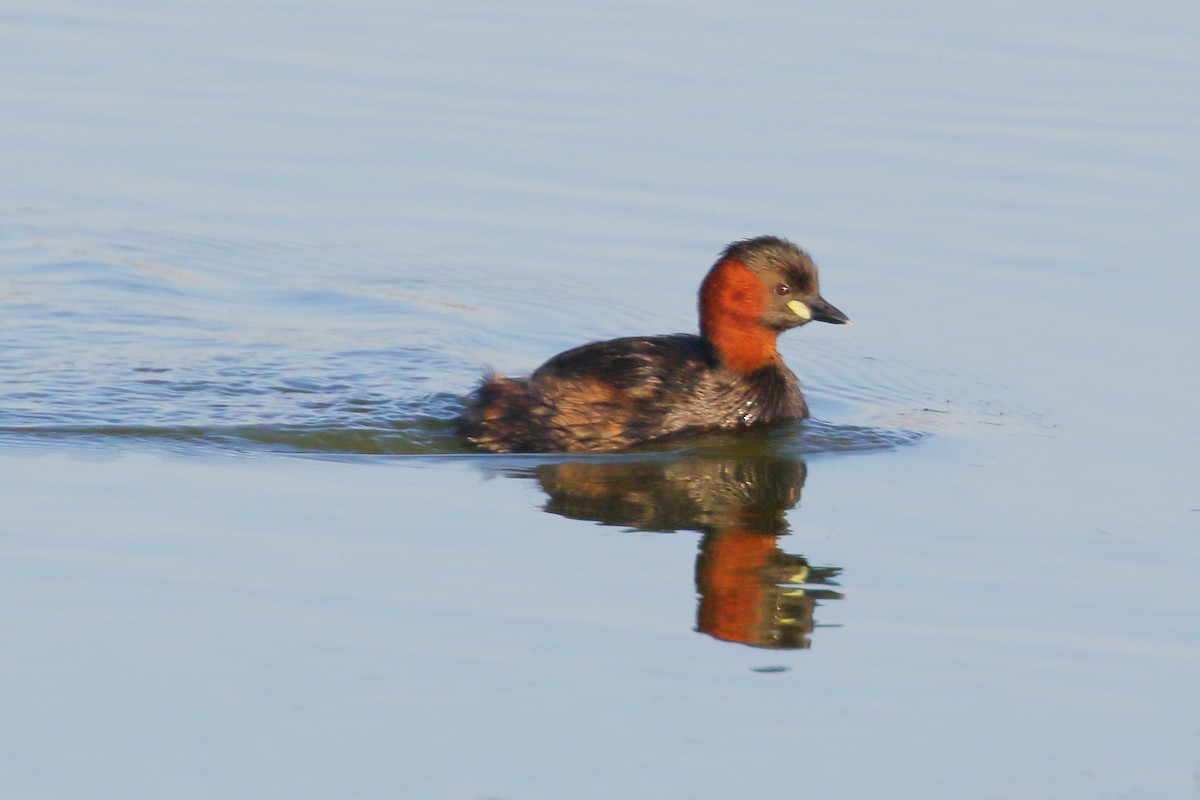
(732, 579)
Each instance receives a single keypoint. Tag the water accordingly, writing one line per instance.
(251, 258)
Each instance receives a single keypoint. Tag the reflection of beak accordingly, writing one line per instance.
(823, 312)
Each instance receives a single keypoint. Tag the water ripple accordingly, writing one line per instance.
(128, 337)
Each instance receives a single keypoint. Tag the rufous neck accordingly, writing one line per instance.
(732, 300)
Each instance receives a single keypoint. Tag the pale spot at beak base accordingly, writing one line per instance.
(800, 309)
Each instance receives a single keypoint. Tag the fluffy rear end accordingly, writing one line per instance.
(498, 416)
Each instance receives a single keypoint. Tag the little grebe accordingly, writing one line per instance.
(609, 395)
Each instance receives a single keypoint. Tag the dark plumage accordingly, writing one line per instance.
(613, 394)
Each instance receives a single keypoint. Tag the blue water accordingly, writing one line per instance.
(252, 256)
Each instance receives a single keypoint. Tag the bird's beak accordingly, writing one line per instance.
(823, 312)
(819, 310)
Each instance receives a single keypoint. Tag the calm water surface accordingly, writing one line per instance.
(251, 257)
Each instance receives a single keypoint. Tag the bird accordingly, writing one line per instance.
(616, 394)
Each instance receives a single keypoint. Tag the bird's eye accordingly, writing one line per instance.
(782, 289)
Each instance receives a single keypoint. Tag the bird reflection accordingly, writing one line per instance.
(750, 591)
